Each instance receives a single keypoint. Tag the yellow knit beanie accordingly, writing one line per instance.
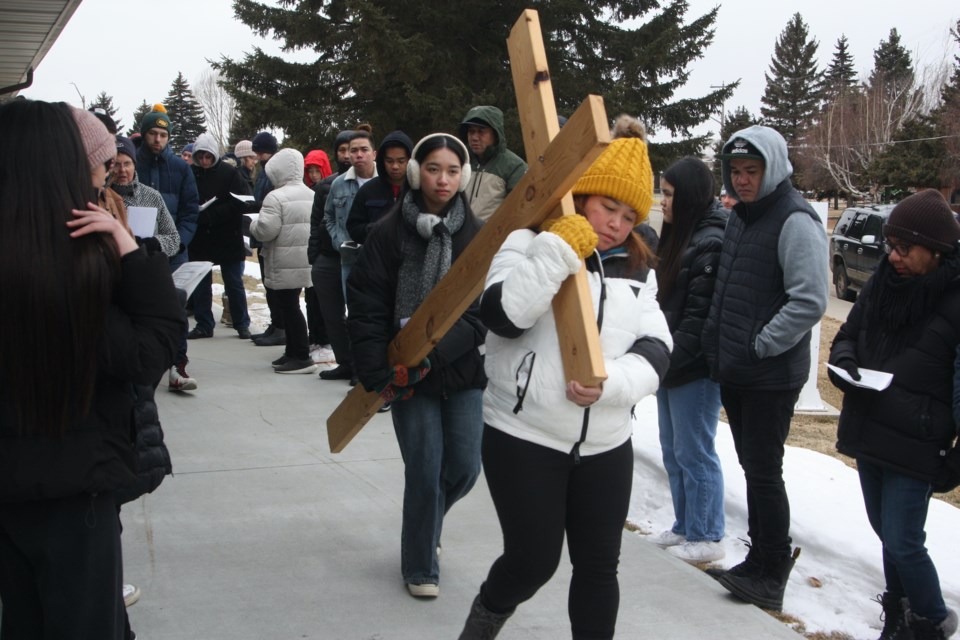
(622, 172)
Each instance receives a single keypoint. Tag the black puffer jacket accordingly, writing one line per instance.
(456, 362)
(320, 242)
(153, 458)
(219, 237)
(140, 340)
(688, 303)
(909, 425)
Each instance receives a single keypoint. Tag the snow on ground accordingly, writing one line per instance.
(828, 521)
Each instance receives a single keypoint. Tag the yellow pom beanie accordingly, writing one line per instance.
(622, 172)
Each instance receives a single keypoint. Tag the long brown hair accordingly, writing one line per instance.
(57, 288)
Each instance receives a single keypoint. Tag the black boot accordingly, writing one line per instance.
(482, 624)
(925, 629)
(277, 339)
(766, 589)
(268, 332)
(894, 617)
(749, 567)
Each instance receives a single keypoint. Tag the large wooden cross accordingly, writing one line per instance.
(556, 158)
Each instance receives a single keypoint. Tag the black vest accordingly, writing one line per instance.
(750, 292)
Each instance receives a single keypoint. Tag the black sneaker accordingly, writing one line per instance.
(243, 334)
(197, 332)
(279, 361)
(277, 339)
(293, 365)
(340, 372)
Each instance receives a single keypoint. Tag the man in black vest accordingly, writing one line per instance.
(771, 290)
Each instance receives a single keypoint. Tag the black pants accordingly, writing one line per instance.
(760, 423)
(276, 315)
(288, 303)
(61, 569)
(540, 494)
(316, 331)
(329, 291)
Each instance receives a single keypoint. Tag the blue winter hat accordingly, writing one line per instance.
(265, 142)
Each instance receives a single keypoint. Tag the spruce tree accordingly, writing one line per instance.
(947, 118)
(186, 114)
(141, 111)
(914, 160)
(892, 66)
(105, 102)
(793, 90)
(419, 66)
(841, 76)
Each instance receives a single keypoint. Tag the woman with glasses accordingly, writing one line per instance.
(906, 322)
(557, 454)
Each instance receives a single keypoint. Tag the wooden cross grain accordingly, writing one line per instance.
(556, 159)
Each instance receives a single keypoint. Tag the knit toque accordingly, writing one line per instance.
(244, 149)
(98, 143)
(125, 145)
(622, 172)
(926, 219)
(156, 119)
(264, 142)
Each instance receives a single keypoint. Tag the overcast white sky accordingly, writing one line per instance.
(133, 49)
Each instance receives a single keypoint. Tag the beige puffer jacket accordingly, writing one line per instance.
(284, 223)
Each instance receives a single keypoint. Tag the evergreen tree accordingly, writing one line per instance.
(105, 102)
(186, 114)
(141, 111)
(420, 66)
(739, 119)
(840, 77)
(913, 160)
(792, 95)
(892, 66)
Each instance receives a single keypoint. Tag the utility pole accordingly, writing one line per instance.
(83, 101)
(723, 107)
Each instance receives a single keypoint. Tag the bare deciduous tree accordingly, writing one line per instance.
(219, 107)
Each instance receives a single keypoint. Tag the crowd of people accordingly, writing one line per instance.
(714, 311)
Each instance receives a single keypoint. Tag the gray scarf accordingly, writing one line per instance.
(425, 263)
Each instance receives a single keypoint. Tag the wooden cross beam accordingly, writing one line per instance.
(560, 159)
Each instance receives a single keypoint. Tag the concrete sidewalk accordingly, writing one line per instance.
(264, 534)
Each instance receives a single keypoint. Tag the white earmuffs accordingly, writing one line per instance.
(413, 167)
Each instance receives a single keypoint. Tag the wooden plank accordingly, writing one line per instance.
(536, 196)
(577, 330)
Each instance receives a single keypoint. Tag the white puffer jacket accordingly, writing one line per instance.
(284, 223)
(634, 337)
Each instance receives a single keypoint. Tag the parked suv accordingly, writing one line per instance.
(856, 247)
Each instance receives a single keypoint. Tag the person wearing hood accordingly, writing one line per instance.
(688, 402)
(496, 169)
(906, 322)
(771, 290)
(283, 227)
(324, 258)
(316, 168)
(377, 196)
(219, 237)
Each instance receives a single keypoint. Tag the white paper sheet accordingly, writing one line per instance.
(869, 378)
(142, 221)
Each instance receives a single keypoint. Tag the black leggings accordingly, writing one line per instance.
(539, 494)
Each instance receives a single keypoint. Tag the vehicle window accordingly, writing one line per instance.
(856, 229)
(844, 223)
(873, 227)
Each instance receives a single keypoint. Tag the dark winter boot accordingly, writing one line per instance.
(482, 624)
(765, 589)
(277, 339)
(894, 617)
(925, 629)
(749, 567)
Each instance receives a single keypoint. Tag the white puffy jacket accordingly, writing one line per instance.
(284, 223)
(634, 337)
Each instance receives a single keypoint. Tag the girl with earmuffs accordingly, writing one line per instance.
(436, 406)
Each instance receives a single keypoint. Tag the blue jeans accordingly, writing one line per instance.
(440, 444)
(897, 509)
(232, 274)
(688, 428)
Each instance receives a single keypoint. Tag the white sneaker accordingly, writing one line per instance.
(131, 594)
(667, 538)
(425, 590)
(179, 379)
(698, 552)
(322, 354)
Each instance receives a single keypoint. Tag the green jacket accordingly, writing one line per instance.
(498, 171)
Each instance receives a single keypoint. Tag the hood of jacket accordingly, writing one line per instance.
(206, 142)
(490, 116)
(317, 158)
(772, 147)
(392, 139)
(285, 166)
